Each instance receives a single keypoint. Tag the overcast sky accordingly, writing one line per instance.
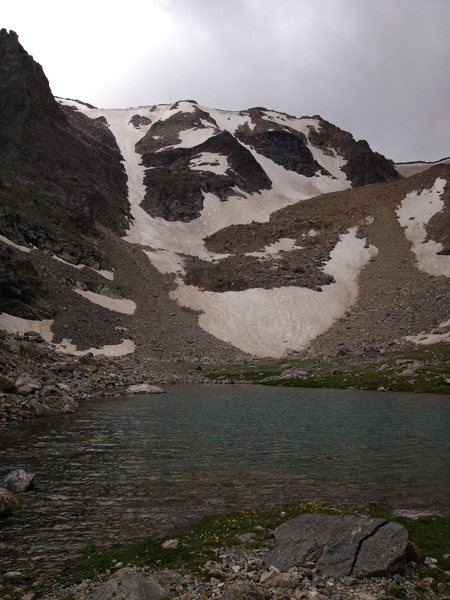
(377, 68)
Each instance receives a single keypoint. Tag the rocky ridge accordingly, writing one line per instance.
(230, 202)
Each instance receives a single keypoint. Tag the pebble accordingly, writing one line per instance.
(243, 575)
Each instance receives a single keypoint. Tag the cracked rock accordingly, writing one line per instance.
(340, 545)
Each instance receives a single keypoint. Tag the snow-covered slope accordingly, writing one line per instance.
(259, 321)
(130, 230)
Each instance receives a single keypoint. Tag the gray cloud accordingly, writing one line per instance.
(378, 68)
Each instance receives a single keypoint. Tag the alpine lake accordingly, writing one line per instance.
(128, 468)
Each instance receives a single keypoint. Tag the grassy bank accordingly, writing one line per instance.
(423, 369)
(195, 546)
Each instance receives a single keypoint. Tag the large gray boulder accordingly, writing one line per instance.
(18, 481)
(340, 545)
(8, 502)
(129, 586)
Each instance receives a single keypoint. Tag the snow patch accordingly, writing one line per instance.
(192, 137)
(125, 347)
(14, 245)
(271, 322)
(413, 214)
(293, 185)
(210, 161)
(183, 106)
(332, 163)
(121, 305)
(17, 325)
(439, 334)
(275, 250)
(166, 261)
(228, 120)
(106, 274)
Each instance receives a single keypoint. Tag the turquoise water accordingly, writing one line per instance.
(124, 468)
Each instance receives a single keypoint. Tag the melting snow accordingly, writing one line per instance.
(262, 322)
(125, 347)
(413, 214)
(275, 250)
(121, 305)
(17, 325)
(210, 161)
(192, 137)
(434, 337)
(293, 185)
(14, 245)
(228, 120)
(183, 106)
(106, 274)
(20, 326)
(270, 322)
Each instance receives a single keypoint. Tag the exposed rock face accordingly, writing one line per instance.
(287, 150)
(60, 172)
(174, 191)
(129, 586)
(63, 206)
(22, 292)
(363, 165)
(340, 545)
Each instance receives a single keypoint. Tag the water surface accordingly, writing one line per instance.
(127, 468)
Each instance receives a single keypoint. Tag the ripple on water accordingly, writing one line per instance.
(128, 468)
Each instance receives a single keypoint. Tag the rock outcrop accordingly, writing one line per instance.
(61, 172)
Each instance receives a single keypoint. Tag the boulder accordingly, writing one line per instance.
(243, 590)
(27, 385)
(126, 585)
(144, 388)
(340, 545)
(7, 386)
(17, 481)
(8, 502)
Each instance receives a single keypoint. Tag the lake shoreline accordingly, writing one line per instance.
(225, 552)
(57, 382)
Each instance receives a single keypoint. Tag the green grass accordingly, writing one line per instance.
(370, 372)
(196, 545)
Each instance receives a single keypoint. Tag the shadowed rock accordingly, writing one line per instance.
(18, 480)
(129, 586)
(8, 502)
(340, 545)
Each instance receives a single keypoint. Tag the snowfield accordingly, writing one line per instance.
(413, 214)
(272, 322)
(259, 321)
